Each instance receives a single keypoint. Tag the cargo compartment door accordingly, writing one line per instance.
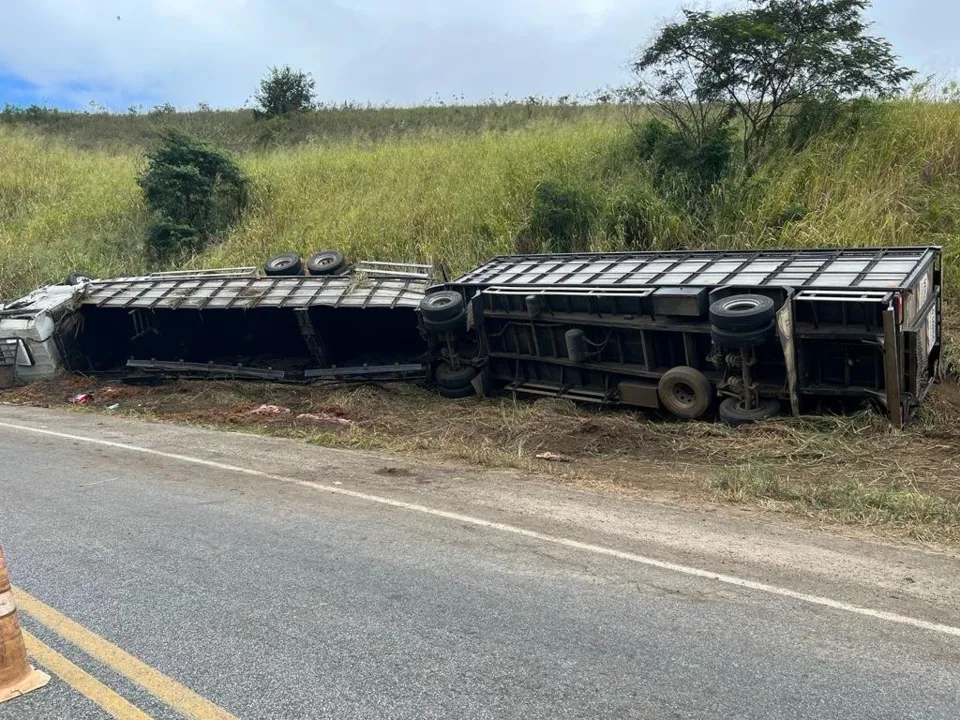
(789, 344)
(892, 365)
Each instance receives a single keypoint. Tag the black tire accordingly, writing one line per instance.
(742, 313)
(78, 278)
(734, 414)
(741, 340)
(685, 392)
(457, 393)
(448, 378)
(443, 305)
(283, 265)
(325, 262)
(456, 324)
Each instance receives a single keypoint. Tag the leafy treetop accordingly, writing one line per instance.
(757, 64)
(285, 91)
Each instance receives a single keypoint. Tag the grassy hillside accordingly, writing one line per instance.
(240, 131)
(459, 191)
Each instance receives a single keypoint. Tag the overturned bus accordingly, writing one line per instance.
(739, 334)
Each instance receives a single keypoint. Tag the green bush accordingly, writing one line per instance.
(791, 214)
(676, 162)
(285, 91)
(166, 239)
(193, 190)
(33, 114)
(561, 218)
(819, 117)
(628, 217)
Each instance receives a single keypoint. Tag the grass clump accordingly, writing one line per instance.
(920, 515)
(561, 219)
(63, 209)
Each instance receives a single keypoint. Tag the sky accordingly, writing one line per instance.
(122, 53)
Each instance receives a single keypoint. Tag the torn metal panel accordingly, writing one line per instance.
(33, 321)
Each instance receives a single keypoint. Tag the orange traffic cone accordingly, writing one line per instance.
(17, 677)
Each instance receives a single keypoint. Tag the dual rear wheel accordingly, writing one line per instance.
(742, 323)
(444, 317)
(738, 322)
(325, 262)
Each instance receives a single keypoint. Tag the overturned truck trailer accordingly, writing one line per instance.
(229, 323)
(741, 334)
(748, 333)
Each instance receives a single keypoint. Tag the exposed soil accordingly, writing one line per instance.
(620, 450)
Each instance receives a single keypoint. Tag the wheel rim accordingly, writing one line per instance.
(442, 302)
(741, 306)
(284, 263)
(684, 394)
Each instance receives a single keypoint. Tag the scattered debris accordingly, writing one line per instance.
(554, 457)
(325, 418)
(82, 399)
(114, 393)
(270, 410)
(115, 406)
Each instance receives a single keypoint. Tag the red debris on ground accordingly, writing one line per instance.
(328, 418)
(270, 410)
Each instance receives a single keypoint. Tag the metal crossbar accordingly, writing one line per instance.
(235, 272)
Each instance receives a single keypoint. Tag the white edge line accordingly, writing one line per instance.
(543, 537)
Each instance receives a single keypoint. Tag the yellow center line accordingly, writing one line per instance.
(113, 704)
(177, 696)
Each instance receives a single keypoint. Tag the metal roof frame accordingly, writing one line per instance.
(877, 268)
(247, 293)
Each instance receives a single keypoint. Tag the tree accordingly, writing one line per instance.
(759, 64)
(285, 91)
(193, 190)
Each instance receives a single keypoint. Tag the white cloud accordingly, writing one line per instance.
(185, 51)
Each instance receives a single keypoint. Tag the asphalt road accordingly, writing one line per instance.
(272, 599)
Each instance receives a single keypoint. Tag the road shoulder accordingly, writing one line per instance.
(761, 547)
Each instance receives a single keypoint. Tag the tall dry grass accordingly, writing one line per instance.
(459, 197)
(63, 209)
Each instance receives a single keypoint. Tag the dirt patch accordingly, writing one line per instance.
(393, 472)
(612, 450)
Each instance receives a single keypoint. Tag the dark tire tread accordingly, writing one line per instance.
(294, 268)
(450, 379)
(758, 312)
(734, 415)
(700, 392)
(325, 262)
(443, 305)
